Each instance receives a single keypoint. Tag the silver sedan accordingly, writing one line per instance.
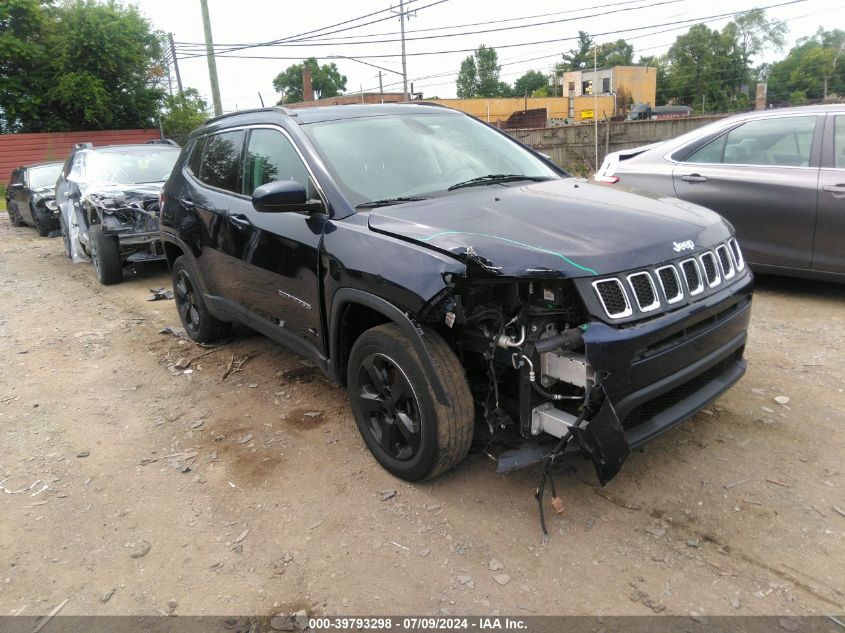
(777, 175)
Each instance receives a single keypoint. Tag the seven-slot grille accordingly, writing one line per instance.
(687, 278)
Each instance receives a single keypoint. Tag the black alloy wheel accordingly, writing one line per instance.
(198, 322)
(186, 301)
(390, 407)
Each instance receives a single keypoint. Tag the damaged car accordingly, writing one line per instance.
(109, 199)
(456, 282)
(31, 197)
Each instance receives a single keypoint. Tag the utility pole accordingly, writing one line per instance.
(380, 86)
(596, 101)
(175, 62)
(212, 64)
(402, 18)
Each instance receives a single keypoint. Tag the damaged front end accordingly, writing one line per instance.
(129, 213)
(550, 358)
(522, 343)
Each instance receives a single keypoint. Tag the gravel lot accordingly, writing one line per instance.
(133, 487)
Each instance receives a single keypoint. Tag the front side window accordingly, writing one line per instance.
(839, 143)
(270, 157)
(221, 160)
(785, 141)
(382, 157)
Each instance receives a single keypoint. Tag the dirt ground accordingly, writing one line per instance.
(131, 487)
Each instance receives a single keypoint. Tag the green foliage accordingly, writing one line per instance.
(530, 83)
(618, 53)
(580, 57)
(479, 75)
(78, 65)
(712, 70)
(182, 113)
(813, 69)
(326, 81)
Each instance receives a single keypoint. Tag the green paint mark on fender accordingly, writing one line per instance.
(539, 249)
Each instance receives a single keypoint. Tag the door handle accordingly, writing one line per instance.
(694, 178)
(187, 203)
(240, 221)
(835, 189)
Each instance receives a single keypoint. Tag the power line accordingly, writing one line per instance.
(426, 30)
(533, 43)
(280, 42)
(497, 29)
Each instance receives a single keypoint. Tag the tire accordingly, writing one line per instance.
(105, 253)
(65, 236)
(14, 218)
(43, 229)
(407, 430)
(198, 322)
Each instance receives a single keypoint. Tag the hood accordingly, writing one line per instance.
(558, 228)
(46, 192)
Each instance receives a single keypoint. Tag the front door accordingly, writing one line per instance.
(763, 178)
(278, 279)
(829, 251)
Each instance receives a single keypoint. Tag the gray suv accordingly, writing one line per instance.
(777, 175)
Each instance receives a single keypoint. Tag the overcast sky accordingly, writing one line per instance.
(252, 21)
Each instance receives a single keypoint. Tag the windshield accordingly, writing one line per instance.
(43, 176)
(403, 155)
(129, 166)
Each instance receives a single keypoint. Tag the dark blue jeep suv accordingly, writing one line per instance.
(456, 281)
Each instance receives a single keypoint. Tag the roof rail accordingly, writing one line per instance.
(87, 145)
(279, 109)
(431, 104)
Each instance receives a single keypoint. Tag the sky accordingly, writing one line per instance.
(650, 25)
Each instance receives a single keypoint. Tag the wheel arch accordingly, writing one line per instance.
(354, 312)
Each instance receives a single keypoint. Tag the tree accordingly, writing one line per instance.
(529, 83)
(814, 69)
(479, 75)
(580, 57)
(23, 63)
(755, 34)
(326, 81)
(182, 113)
(467, 82)
(81, 65)
(618, 53)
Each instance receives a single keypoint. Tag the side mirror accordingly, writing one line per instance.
(280, 196)
(17, 185)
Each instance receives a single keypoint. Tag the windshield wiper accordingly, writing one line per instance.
(388, 201)
(496, 178)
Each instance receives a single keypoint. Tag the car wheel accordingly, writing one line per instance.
(407, 430)
(105, 253)
(198, 322)
(65, 236)
(40, 225)
(14, 218)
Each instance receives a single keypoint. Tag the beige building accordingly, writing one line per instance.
(626, 84)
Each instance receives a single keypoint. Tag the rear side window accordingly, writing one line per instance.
(221, 160)
(839, 143)
(270, 156)
(786, 141)
(195, 155)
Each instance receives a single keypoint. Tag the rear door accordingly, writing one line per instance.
(212, 181)
(829, 252)
(763, 177)
(278, 278)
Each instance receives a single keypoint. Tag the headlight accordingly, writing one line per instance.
(50, 203)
